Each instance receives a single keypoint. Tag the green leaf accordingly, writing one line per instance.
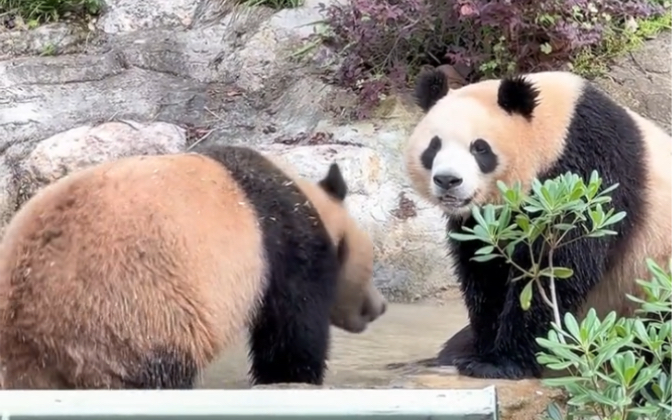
(546, 359)
(614, 219)
(600, 398)
(503, 188)
(481, 231)
(488, 249)
(568, 355)
(596, 216)
(489, 215)
(462, 236)
(548, 198)
(563, 226)
(600, 233)
(559, 365)
(572, 326)
(510, 198)
(508, 249)
(504, 219)
(557, 272)
(533, 234)
(566, 380)
(578, 191)
(553, 412)
(485, 258)
(476, 212)
(523, 222)
(609, 189)
(640, 331)
(594, 177)
(526, 296)
(532, 208)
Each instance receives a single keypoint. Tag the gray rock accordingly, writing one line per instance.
(78, 148)
(44, 99)
(84, 146)
(641, 80)
(54, 38)
(133, 15)
(221, 75)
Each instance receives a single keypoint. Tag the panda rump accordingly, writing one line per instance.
(137, 273)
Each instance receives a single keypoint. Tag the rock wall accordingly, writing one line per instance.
(159, 75)
(156, 76)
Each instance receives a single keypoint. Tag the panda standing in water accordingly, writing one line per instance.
(137, 273)
(537, 126)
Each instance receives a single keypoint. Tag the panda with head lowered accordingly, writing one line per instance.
(538, 125)
(139, 272)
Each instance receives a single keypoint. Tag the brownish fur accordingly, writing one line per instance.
(146, 281)
(351, 293)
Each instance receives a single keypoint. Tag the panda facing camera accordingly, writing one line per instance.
(517, 129)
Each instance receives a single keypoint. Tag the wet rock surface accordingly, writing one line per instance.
(213, 73)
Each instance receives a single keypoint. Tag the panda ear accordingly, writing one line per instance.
(517, 95)
(334, 184)
(431, 86)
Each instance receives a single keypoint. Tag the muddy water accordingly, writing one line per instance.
(405, 333)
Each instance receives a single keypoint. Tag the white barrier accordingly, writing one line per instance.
(287, 404)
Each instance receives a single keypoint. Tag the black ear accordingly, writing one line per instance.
(516, 95)
(334, 184)
(431, 86)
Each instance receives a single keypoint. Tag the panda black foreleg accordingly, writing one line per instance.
(289, 339)
(514, 353)
(461, 344)
(483, 286)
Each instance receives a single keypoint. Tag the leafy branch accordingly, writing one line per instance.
(557, 213)
(602, 357)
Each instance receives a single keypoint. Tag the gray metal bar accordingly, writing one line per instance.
(287, 404)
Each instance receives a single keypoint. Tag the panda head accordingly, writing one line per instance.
(358, 301)
(492, 130)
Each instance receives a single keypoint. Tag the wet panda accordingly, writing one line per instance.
(137, 273)
(515, 129)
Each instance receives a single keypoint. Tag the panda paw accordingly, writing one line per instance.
(491, 368)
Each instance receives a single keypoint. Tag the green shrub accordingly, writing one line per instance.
(384, 43)
(603, 357)
(606, 370)
(42, 11)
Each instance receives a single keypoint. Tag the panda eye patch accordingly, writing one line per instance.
(485, 158)
(480, 147)
(427, 157)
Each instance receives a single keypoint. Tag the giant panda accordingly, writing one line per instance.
(137, 273)
(515, 129)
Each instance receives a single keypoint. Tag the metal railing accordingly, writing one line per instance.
(286, 404)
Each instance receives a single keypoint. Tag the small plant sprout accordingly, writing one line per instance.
(542, 221)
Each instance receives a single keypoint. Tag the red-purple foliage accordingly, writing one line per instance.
(385, 42)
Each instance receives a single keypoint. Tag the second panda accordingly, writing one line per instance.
(520, 128)
(137, 273)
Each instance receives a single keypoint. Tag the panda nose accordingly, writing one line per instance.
(447, 181)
